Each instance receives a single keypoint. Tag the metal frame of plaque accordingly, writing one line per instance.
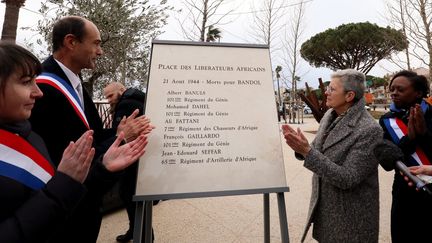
(165, 149)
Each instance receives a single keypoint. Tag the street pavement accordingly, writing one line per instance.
(239, 219)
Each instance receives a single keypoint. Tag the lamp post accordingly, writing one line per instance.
(278, 69)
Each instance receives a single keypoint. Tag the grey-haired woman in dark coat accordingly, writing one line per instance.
(344, 205)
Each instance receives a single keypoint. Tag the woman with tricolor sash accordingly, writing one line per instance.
(409, 126)
(36, 198)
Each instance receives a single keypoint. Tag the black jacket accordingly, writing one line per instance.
(410, 207)
(55, 120)
(130, 100)
(28, 215)
(407, 145)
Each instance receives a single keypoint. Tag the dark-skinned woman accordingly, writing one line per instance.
(409, 126)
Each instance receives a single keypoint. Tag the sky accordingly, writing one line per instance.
(320, 15)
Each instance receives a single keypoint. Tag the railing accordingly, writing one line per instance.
(104, 112)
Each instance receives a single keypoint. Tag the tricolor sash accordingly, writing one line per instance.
(67, 90)
(20, 161)
(398, 129)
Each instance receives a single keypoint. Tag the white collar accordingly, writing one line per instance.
(73, 78)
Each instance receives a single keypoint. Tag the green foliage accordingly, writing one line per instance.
(376, 81)
(318, 93)
(357, 45)
(127, 28)
(213, 34)
(278, 70)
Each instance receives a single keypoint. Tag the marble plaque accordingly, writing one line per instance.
(215, 113)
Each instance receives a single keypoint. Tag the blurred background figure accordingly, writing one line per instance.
(124, 102)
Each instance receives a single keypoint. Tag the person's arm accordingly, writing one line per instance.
(133, 126)
(405, 143)
(107, 169)
(124, 109)
(358, 164)
(297, 141)
(423, 169)
(422, 124)
(37, 219)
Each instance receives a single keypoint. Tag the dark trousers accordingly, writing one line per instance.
(411, 214)
(127, 191)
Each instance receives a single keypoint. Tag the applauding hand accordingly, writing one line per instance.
(416, 123)
(119, 157)
(133, 126)
(77, 157)
(296, 140)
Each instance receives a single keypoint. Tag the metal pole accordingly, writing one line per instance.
(283, 217)
(148, 222)
(139, 217)
(266, 218)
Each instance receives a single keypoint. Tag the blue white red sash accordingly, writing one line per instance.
(398, 129)
(20, 161)
(67, 90)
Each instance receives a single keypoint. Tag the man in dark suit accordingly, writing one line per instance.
(66, 111)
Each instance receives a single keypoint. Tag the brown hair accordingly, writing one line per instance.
(68, 25)
(14, 58)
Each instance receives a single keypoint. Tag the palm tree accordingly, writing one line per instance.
(213, 34)
(11, 18)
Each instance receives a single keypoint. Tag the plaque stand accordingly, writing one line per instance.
(144, 211)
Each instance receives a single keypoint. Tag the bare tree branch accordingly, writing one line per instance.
(200, 15)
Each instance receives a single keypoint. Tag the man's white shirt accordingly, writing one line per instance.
(75, 81)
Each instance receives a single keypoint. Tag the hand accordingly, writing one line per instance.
(422, 169)
(119, 157)
(133, 126)
(416, 122)
(148, 128)
(296, 140)
(411, 128)
(139, 126)
(125, 120)
(419, 121)
(77, 157)
(417, 170)
(410, 183)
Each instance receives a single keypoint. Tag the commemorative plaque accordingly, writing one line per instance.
(216, 133)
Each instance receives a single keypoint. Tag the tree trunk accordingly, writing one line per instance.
(404, 31)
(204, 21)
(428, 34)
(11, 19)
(89, 84)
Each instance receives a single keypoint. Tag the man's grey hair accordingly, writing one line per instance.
(352, 80)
